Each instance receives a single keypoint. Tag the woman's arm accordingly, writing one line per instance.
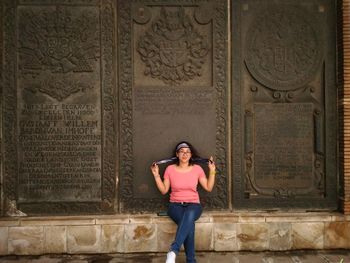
(208, 183)
(163, 186)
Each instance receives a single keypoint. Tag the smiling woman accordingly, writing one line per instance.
(184, 208)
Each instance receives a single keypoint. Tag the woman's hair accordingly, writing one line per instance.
(184, 144)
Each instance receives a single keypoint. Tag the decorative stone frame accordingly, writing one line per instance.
(107, 203)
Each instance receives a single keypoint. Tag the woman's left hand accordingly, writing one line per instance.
(211, 164)
(208, 182)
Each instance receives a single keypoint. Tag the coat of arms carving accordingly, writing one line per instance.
(172, 48)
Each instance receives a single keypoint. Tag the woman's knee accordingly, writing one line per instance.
(191, 216)
(194, 213)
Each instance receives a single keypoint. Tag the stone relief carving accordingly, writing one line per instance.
(57, 41)
(59, 88)
(109, 106)
(283, 48)
(283, 56)
(76, 54)
(172, 49)
(10, 163)
(288, 164)
(219, 46)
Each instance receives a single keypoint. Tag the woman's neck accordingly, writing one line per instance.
(182, 165)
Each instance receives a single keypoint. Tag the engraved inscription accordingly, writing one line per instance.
(59, 107)
(59, 114)
(57, 44)
(60, 152)
(283, 146)
(172, 49)
(173, 101)
(283, 48)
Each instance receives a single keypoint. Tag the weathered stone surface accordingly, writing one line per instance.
(339, 217)
(63, 104)
(337, 235)
(204, 236)
(69, 221)
(165, 236)
(225, 237)
(141, 219)
(112, 240)
(280, 236)
(299, 217)
(84, 239)
(252, 236)
(224, 218)
(55, 239)
(308, 235)
(9, 223)
(162, 220)
(26, 240)
(3, 240)
(214, 232)
(154, 82)
(204, 219)
(250, 219)
(279, 154)
(113, 220)
(140, 237)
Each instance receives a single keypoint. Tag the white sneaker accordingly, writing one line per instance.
(170, 257)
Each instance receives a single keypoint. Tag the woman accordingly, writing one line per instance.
(184, 208)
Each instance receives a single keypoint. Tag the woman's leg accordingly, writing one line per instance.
(189, 247)
(184, 216)
(176, 212)
(189, 242)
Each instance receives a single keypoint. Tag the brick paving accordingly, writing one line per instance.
(335, 256)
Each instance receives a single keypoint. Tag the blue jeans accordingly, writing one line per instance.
(184, 215)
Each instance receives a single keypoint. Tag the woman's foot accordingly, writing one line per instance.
(170, 257)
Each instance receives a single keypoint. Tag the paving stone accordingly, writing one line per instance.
(333, 256)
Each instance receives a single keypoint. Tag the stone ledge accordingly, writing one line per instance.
(8, 222)
(207, 217)
(55, 221)
(151, 233)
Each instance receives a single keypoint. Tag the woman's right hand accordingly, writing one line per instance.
(155, 170)
(163, 185)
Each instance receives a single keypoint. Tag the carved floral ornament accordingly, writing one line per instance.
(172, 49)
(54, 42)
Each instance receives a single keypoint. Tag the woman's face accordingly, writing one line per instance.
(184, 154)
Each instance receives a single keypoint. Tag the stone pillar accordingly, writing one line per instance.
(346, 104)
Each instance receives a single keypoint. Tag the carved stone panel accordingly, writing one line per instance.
(284, 105)
(172, 83)
(59, 106)
(276, 163)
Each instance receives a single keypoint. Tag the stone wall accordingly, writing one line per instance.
(345, 106)
(215, 231)
(150, 233)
